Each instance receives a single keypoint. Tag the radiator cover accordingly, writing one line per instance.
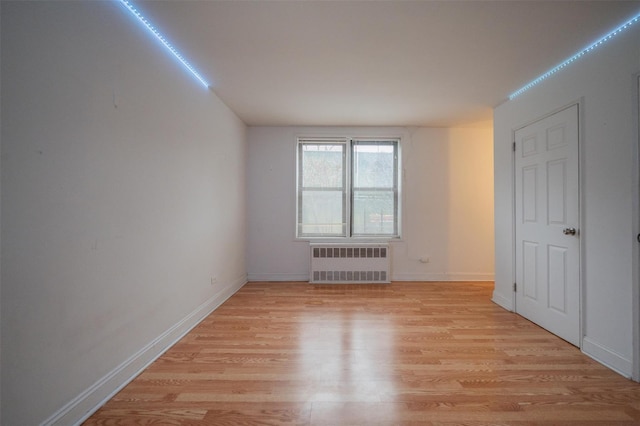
(349, 263)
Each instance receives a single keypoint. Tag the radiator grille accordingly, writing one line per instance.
(368, 263)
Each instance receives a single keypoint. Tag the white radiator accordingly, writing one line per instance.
(349, 263)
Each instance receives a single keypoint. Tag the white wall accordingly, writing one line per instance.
(603, 83)
(448, 203)
(123, 193)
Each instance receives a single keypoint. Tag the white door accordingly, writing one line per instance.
(547, 224)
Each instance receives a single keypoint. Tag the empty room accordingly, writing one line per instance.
(319, 212)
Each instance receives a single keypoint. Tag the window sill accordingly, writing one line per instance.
(351, 240)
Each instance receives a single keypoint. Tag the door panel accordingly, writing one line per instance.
(557, 192)
(547, 265)
(557, 278)
(529, 194)
(530, 269)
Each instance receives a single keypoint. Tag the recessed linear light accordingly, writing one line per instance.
(164, 41)
(575, 57)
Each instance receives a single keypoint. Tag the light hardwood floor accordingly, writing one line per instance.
(401, 354)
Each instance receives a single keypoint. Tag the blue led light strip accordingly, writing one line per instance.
(578, 55)
(164, 41)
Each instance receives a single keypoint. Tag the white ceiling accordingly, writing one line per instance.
(405, 63)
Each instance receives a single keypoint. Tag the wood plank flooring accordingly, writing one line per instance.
(399, 354)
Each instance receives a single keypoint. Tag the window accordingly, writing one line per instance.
(347, 187)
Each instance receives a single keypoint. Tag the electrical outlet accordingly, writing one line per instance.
(424, 259)
(214, 280)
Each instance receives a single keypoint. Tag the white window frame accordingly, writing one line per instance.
(348, 190)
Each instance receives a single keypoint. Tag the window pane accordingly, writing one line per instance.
(373, 213)
(373, 165)
(347, 193)
(322, 165)
(322, 213)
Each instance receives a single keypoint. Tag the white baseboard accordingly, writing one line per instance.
(277, 277)
(86, 403)
(462, 276)
(455, 276)
(501, 300)
(607, 357)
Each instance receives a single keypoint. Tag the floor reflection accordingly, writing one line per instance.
(348, 357)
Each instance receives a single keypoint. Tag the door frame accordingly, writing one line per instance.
(635, 347)
(581, 307)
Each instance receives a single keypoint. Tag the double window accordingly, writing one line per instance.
(348, 187)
